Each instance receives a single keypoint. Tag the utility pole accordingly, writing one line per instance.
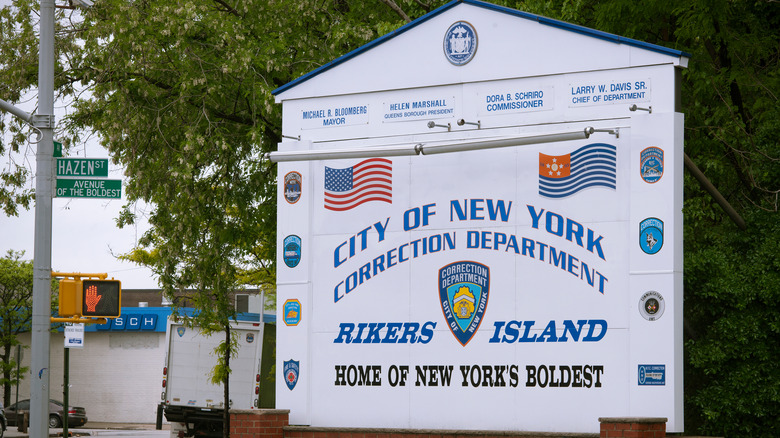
(43, 121)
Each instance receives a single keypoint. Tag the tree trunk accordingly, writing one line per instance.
(7, 375)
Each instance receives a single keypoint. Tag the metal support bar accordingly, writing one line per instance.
(634, 108)
(18, 112)
(423, 149)
(78, 275)
(710, 188)
(434, 125)
(462, 122)
(507, 142)
(615, 132)
(80, 320)
(336, 154)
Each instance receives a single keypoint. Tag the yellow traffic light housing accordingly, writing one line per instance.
(69, 289)
(90, 297)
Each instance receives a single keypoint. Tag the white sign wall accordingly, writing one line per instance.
(487, 289)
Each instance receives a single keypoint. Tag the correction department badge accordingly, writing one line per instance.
(651, 235)
(463, 293)
(180, 331)
(651, 164)
(292, 187)
(291, 370)
(460, 43)
(651, 305)
(292, 250)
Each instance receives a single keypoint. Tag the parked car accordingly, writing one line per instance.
(77, 416)
(3, 421)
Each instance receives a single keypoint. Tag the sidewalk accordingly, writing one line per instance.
(88, 429)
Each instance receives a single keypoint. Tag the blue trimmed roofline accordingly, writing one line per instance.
(538, 18)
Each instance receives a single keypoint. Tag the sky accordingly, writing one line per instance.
(85, 237)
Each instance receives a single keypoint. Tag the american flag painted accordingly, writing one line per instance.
(368, 180)
(594, 165)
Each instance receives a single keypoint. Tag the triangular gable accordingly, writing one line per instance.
(633, 52)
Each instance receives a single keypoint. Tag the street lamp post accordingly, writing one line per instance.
(43, 121)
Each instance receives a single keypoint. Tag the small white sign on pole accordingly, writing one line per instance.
(74, 335)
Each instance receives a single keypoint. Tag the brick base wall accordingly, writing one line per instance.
(633, 427)
(274, 423)
(258, 423)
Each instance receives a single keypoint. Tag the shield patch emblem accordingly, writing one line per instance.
(180, 331)
(291, 371)
(464, 288)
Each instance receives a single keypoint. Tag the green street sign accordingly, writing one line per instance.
(82, 167)
(57, 149)
(89, 188)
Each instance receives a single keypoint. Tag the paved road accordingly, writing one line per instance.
(130, 433)
(102, 430)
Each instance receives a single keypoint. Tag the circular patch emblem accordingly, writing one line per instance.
(292, 250)
(460, 43)
(292, 187)
(651, 305)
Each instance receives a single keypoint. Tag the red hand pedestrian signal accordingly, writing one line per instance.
(92, 298)
(101, 298)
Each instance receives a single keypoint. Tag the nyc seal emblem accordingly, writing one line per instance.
(291, 371)
(463, 292)
(651, 164)
(180, 331)
(651, 235)
(460, 43)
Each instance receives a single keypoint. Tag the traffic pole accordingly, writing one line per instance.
(43, 121)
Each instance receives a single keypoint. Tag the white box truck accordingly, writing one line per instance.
(190, 401)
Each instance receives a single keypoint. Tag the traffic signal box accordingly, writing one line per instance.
(90, 298)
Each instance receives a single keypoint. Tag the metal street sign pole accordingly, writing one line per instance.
(44, 122)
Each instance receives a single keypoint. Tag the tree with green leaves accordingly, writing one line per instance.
(16, 278)
(180, 95)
